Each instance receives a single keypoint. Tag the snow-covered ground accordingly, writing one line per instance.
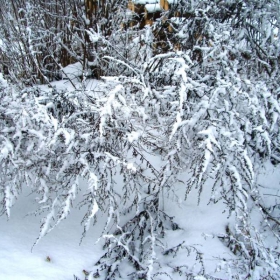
(57, 256)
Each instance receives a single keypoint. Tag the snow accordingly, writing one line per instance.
(67, 257)
(177, 20)
(72, 71)
(93, 36)
(133, 136)
(152, 8)
(3, 82)
(143, 2)
(131, 167)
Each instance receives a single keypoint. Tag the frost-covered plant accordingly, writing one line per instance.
(223, 114)
(210, 110)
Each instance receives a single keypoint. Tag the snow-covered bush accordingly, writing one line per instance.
(210, 110)
(113, 137)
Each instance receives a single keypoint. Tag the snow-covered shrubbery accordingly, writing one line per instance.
(201, 119)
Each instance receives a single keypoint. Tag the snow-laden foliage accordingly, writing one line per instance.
(49, 147)
(207, 106)
(222, 130)
(113, 134)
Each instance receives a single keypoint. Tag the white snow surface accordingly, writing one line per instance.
(143, 2)
(173, 1)
(72, 71)
(3, 82)
(152, 8)
(67, 257)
